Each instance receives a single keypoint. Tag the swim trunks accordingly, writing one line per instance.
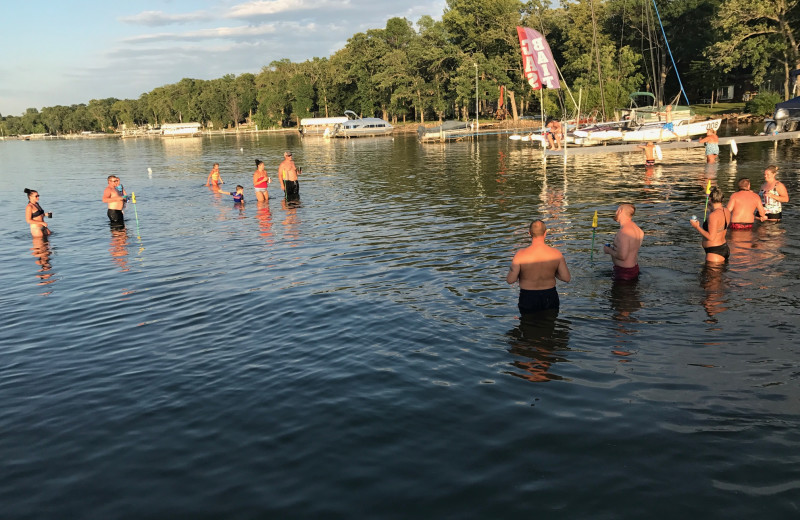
(649, 162)
(668, 126)
(721, 250)
(736, 226)
(115, 215)
(626, 273)
(533, 301)
(292, 190)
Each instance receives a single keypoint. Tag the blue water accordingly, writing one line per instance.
(360, 355)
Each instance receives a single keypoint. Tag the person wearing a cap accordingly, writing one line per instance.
(287, 175)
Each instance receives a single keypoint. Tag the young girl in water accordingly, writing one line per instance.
(34, 215)
(214, 178)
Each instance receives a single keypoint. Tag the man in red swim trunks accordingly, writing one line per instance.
(624, 250)
(743, 206)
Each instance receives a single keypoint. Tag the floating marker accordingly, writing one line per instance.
(594, 228)
(658, 152)
(241, 149)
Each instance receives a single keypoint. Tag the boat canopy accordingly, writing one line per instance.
(792, 103)
(311, 121)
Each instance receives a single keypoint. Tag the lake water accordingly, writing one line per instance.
(360, 355)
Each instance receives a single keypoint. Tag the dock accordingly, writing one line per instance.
(670, 145)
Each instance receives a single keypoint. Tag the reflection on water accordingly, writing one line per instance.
(264, 221)
(713, 281)
(536, 344)
(41, 250)
(291, 222)
(119, 247)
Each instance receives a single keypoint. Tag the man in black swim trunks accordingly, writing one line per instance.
(115, 202)
(536, 267)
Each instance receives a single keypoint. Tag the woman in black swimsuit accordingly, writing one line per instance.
(714, 229)
(34, 215)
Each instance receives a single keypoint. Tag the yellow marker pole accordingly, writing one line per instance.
(594, 228)
(708, 192)
(133, 199)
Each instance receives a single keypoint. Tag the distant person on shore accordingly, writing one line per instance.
(743, 205)
(238, 195)
(773, 193)
(712, 145)
(553, 130)
(115, 200)
(287, 175)
(34, 215)
(214, 178)
(624, 250)
(537, 267)
(260, 181)
(649, 153)
(714, 229)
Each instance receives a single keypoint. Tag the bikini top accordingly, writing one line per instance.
(705, 224)
(39, 211)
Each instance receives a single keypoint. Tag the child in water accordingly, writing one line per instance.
(214, 178)
(649, 153)
(238, 197)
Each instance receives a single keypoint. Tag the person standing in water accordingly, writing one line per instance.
(773, 194)
(624, 250)
(34, 215)
(261, 181)
(214, 179)
(714, 229)
(712, 145)
(115, 201)
(537, 267)
(649, 153)
(743, 205)
(287, 175)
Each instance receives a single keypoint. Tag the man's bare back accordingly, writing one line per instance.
(625, 249)
(537, 266)
(744, 204)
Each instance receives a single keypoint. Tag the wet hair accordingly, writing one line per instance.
(259, 162)
(111, 177)
(537, 228)
(239, 187)
(711, 130)
(29, 192)
(772, 169)
(744, 183)
(716, 194)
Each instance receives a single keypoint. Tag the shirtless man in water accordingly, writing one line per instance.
(115, 201)
(537, 267)
(287, 175)
(624, 250)
(743, 206)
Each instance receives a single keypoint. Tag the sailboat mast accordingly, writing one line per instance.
(597, 54)
(670, 53)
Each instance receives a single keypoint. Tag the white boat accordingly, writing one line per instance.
(319, 125)
(180, 129)
(361, 126)
(681, 130)
(446, 131)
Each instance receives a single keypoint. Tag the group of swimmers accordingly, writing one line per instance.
(288, 173)
(116, 197)
(538, 266)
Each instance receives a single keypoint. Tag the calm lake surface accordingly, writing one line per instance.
(360, 355)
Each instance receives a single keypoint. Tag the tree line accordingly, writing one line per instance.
(428, 71)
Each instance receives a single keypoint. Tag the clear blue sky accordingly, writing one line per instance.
(64, 52)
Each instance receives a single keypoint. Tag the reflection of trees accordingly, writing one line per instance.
(535, 344)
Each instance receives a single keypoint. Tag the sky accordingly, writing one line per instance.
(65, 52)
